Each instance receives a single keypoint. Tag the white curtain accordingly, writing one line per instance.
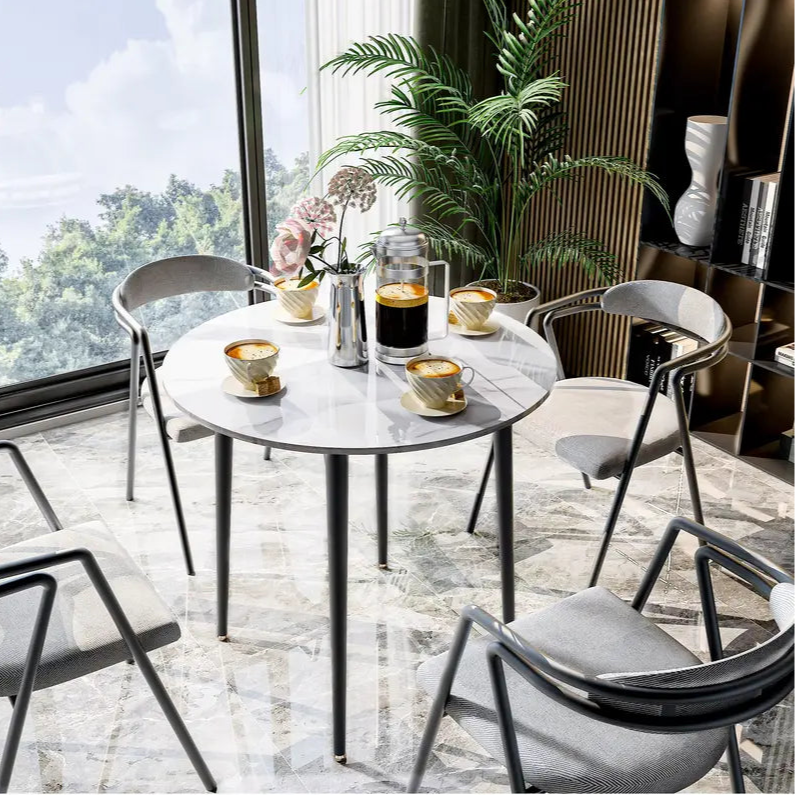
(344, 105)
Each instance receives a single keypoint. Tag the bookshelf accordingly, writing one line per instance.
(732, 58)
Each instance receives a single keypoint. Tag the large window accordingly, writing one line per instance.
(118, 145)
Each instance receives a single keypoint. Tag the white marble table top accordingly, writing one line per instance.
(327, 409)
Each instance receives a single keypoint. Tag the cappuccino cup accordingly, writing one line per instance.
(296, 301)
(251, 361)
(433, 379)
(472, 306)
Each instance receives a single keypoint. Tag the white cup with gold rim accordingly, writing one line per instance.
(433, 379)
(472, 306)
(294, 300)
(251, 361)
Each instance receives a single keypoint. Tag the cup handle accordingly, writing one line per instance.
(472, 373)
(446, 299)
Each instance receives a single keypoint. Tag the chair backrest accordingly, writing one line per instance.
(735, 669)
(669, 304)
(196, 273)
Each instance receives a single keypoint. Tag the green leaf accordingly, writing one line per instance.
(572, 247)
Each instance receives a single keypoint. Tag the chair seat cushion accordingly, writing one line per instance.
(81, 636)
(561, 750)
(179, 427)
(589, 423)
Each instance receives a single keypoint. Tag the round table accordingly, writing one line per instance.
(339, 412)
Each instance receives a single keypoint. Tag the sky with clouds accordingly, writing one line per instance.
(96, 94)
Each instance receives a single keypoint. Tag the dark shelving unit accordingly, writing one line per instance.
(732, 58)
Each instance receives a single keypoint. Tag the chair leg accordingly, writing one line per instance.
(267, 454)
(135, 370)
(586, 481)
(502, 703)
(692, 480)
(610, 525)
(382, 508)
(176, 499)
(484, 482)
(436, 712)
(735, 763)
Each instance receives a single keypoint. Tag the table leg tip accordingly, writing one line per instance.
(383, 566)
(341, 758)
(223, 638)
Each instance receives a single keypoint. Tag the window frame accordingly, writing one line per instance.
(100, 385)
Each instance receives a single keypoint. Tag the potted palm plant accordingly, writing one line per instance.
(477, 164)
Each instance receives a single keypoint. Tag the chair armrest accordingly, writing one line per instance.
(559, 303)
(43, 504)
(730, 548)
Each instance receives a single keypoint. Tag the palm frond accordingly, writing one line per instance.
(403, 58)
(551, 169)
(572, 247)
(522, 57)
(449, 242)
(509, 120)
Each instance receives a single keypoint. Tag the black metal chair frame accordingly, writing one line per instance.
(27, 574)
(760, 691)
(140, 348)
(705, 356)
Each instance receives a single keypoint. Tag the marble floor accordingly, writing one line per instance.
(259, 706)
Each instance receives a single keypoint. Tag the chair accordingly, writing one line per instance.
(163, 279)
(605, 427)
(94, 608)
(597, 698)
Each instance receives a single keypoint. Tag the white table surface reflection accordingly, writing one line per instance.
(341, 412)
(327, 409)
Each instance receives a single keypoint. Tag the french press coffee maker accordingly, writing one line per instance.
(401, 294)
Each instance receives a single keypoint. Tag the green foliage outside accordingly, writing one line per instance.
(55, 311)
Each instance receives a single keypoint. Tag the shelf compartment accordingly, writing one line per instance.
(655, 262)
(776, 321)
(768, 413)
(741, 300)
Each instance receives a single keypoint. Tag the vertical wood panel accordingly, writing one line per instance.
(608, 60)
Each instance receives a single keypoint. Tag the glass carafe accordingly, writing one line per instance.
(402, 294)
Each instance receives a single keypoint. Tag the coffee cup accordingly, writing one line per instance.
(472, 306)
(251, 361)
(433, 379)
(296, 301)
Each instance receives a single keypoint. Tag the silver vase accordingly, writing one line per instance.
(347, 329)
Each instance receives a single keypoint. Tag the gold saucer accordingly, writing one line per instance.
(318, 314)
(456, 403)
(233, 387)
(489, 327)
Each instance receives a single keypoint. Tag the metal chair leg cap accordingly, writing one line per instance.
(341, 758)
(223, 638)
(383, 566)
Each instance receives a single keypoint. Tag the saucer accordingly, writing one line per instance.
(489, 327)
(232, 386)
(412, 403)
(318, 313)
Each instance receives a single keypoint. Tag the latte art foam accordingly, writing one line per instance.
(434, 368)
(249, 351)
(472, 296)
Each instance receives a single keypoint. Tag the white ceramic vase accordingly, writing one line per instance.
(518, 311)
(694, 215)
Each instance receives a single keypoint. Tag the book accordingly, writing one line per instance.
(679, 347)
(785, 354)
(766, 208)
(750, 220)
(732, 213)
(758, 213)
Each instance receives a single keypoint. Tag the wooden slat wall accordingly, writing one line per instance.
(609, 62)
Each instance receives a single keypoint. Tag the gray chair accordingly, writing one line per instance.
(605, 427)
(163, 279)
(597, 698)
(73, 602)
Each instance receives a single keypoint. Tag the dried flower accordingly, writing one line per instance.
(315, 214)
(290, 247)
(353, 187)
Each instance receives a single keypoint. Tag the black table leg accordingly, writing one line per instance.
(381, 506)
(223, 527)
(503, 465)
(337, 528)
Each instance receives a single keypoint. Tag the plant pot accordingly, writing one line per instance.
(516, 309)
